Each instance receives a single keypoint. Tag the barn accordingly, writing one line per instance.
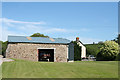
(40, 49)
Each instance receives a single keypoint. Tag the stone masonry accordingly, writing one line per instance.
(29, 51)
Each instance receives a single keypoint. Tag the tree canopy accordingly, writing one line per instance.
(93, 49)
(117, 39)
(108, 51)
(38, 35)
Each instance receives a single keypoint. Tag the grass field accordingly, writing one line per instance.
(80, 69)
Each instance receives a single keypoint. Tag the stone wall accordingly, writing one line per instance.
(29, 51)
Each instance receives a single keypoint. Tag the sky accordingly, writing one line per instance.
(90, 21)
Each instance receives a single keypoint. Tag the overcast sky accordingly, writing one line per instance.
(90, 21)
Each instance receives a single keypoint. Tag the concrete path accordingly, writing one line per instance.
(1, 60)
(7, 60)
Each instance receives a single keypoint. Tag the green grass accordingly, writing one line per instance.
(80, 69)
(0, 72)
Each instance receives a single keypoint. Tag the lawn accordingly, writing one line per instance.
(80, 69)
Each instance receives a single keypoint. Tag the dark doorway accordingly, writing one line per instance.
(46, 55)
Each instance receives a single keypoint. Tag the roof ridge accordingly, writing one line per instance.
(35, 37)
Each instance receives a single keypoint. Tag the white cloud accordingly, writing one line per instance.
(56, 30)
(87, 40)
(84, 40)
(5, 33)
(42, 29)
(12, 27)
(8, 21)
(0, 33)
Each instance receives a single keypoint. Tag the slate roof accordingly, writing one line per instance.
(25, 39)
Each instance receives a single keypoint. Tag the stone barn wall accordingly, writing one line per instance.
(29, 51)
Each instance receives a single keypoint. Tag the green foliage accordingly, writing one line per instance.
(101, 42)
(117, 39)
(3, 47)
(118, 57)
(93, 49)
(77, 51)
(38, 35)
(109, 51)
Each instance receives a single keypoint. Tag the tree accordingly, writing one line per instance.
(38, 35)
(77, 51)
(117, 39)
(93, 49)
(1, 47)
(4, 47)
(100, 42)
(108, 51)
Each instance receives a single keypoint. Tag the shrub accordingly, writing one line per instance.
(118, 57)
(108, 51)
